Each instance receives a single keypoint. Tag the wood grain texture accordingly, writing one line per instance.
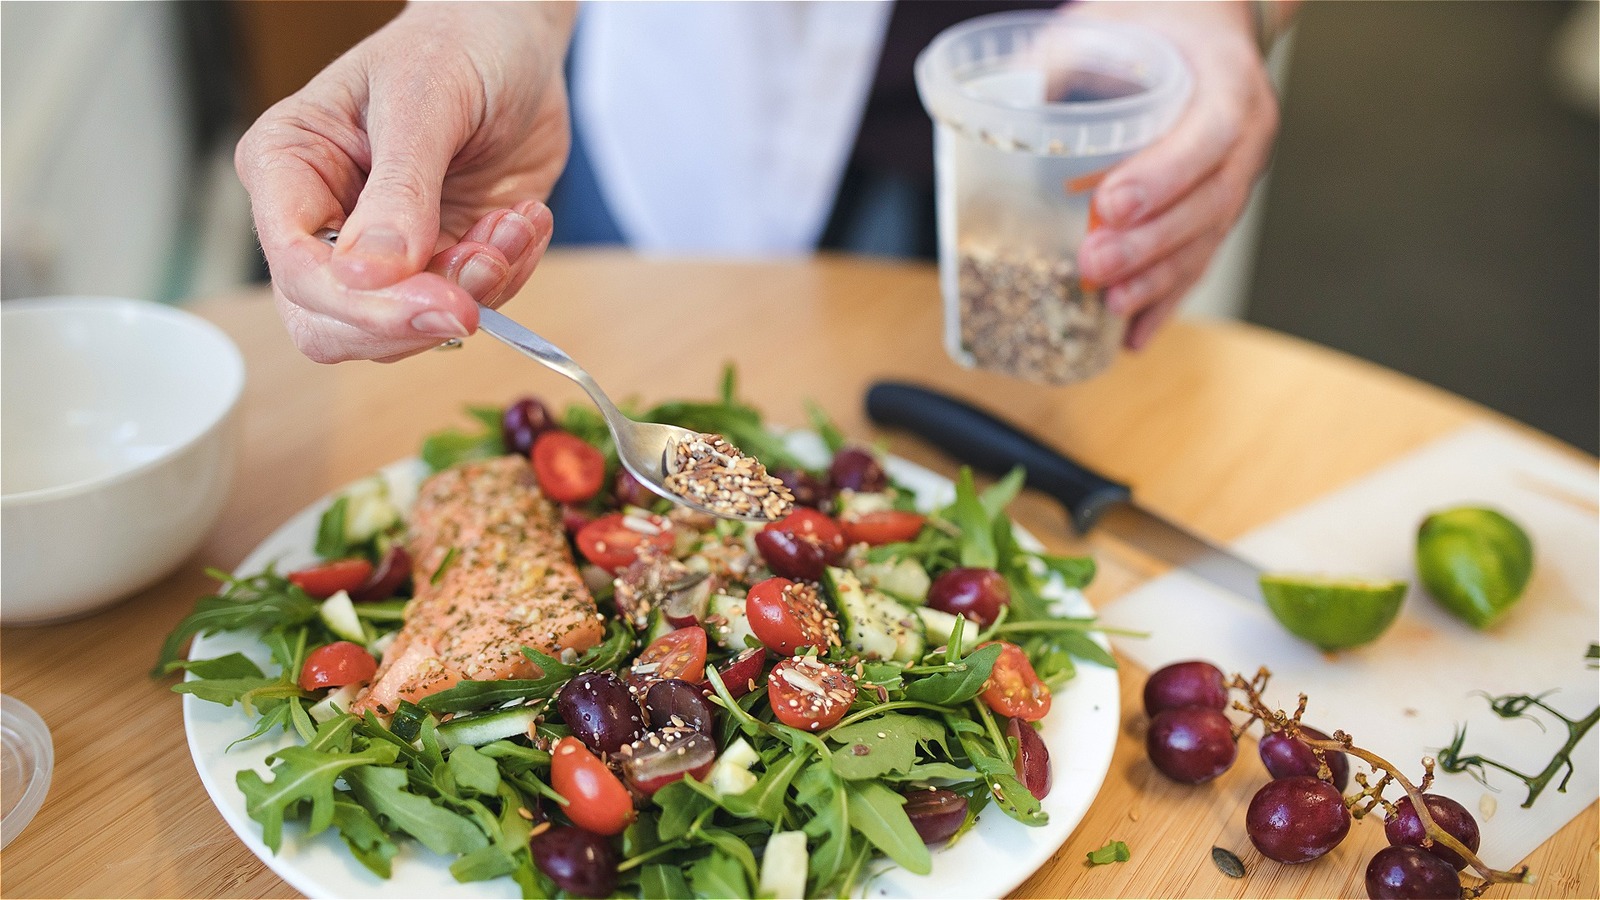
(1221, 426)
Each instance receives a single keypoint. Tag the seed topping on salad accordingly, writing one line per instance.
(716, 475)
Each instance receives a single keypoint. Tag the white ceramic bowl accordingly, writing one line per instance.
(117, 432)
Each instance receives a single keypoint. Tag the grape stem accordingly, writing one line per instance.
(1289, 725)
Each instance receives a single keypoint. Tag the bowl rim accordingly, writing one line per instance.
(235, 369)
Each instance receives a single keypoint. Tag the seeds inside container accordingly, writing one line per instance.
(713, 473)
(1029, 316)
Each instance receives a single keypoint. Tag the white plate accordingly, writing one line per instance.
(991, 860)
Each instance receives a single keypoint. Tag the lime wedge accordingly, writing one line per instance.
(1475, 562)
(1333, 613)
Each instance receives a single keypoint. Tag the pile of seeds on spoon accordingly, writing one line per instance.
(711, 472)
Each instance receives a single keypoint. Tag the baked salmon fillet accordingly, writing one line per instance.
(493, 574)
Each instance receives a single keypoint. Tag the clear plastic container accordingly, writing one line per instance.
(1030, 109)
(27, 759)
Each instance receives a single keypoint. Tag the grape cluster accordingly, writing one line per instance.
(1302, 813)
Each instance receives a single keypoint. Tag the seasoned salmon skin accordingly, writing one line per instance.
(493, 574)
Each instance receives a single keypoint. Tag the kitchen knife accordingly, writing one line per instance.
(993, 446)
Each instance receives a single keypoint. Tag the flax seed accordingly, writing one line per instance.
(709, 471)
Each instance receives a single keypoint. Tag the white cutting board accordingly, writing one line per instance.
(1403, 696)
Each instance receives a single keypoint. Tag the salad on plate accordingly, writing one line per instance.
(510, 657)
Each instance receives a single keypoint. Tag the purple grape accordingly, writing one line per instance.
(675, 698)
(979, 594)
(523, 421)
(1404, 828)
(935, 813)
(1284, 756)
(1191, 683)
(1191, 744)
(1404, 872)
(1033, 757)
(857, 469)
(630, 492)
(580, 862)
(1296, 819)
(807, 489)
(601, 712)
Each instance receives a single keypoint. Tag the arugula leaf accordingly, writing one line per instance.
(302, 775)
(367, 840)
(1112, 852)
(951, 688)
(234, 665)
(882, 745)
(718, 875)
(331, 543)
(469, 695)
(1075, 571)
(769, 798)
(828, 827)
(473, 771)
(968, 514)
(662, 882)
(680, 805)
(879, 814)
(446, 448)
(266, 600)
(831, 436)
(483, 864)
(999, 495)
(383, 791)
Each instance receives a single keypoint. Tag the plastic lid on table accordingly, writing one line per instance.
(27, 757)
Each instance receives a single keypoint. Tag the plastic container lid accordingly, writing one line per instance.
(27, 757)
(993, 77)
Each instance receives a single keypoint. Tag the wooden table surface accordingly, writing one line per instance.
(1222, 426)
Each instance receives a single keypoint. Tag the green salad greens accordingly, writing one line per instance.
(941, 727)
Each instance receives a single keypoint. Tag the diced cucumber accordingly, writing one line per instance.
(339, 614)
(369, 509)
(904, 579)
(658, 626)
(336, 704)
(380, 647)
(406, 723)
(783, 866)
(850, 504)
(483, 728)
(731, 774)
(735, 626)
(936, 624)
(874, 625)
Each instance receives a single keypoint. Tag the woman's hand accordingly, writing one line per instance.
(1165, 210)
(429, 147)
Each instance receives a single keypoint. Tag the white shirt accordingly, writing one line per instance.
(723, 127)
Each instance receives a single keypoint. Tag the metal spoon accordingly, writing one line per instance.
(644, 448)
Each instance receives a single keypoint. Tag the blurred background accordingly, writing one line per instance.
(1433, 204)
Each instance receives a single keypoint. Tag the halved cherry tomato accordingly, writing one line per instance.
(391, 573)
(336, 665)
(612, 541)
(323, 581)
(596, 798)
(1013, 688)
(788, 617)
(676, 654)
(808, 693)
(888, 526)
(569, 469)
(801, 544)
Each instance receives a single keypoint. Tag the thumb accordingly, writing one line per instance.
(391, 233)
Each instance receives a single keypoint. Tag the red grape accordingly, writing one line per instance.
(856, 469)
(523, 421)
(1192, 683)
(1033, 757)
(935, 813)
(1296, 819)
(978, 594)
(1403, 872)
(581, 863)
(601, 712)
(808, 490)
(1405, 828)
(1284, 756)
(1191, 744)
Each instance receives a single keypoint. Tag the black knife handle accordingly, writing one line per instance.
(988, 444)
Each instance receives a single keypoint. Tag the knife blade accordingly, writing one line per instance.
(993, 446)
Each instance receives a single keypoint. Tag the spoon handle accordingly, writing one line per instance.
(519, 338)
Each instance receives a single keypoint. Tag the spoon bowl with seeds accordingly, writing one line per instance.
(701, 471)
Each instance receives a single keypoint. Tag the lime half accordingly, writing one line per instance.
(1333, 613)
(1475, 562)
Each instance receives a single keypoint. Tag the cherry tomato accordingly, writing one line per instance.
(801, 544)
(676, 654)
(809, 694)
(978, 594)
(596, 798)
(613, 540)
(569, 469)
(323, 581)
(888, 526)
(336, 665)
(1013, 688)
(392, 572)
(788, 617)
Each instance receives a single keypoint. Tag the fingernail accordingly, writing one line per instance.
(512, 235)
(1122, 203)
(377, 242)
(480, 275)
(439, 323)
